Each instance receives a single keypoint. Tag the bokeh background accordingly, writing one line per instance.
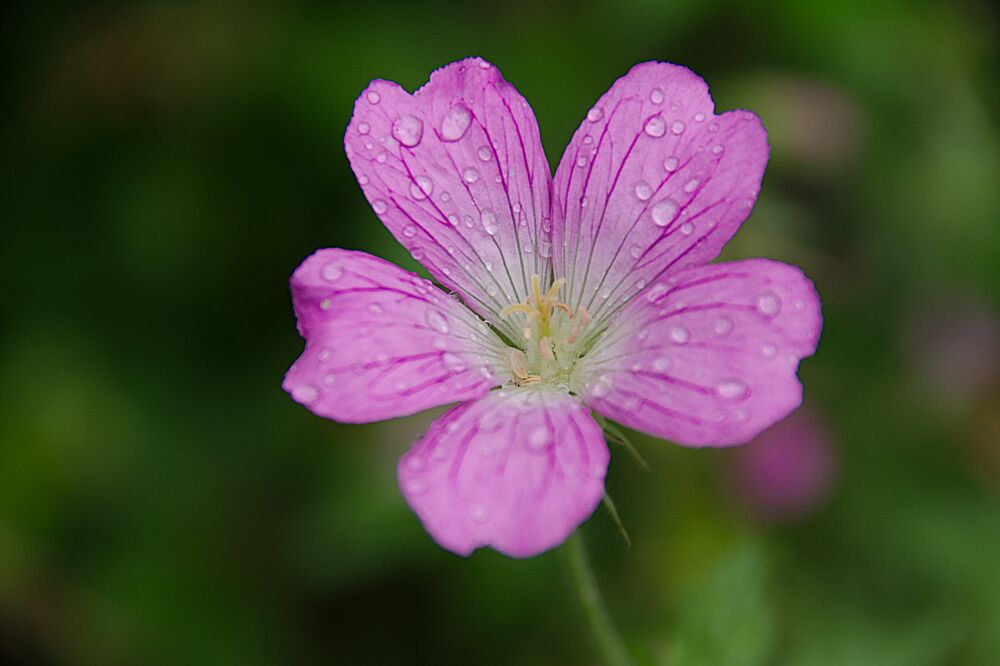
(166, 167)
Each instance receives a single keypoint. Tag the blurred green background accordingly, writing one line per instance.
(162, 501)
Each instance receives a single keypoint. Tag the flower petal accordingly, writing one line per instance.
(382, 342)
(457, 173)
(708, 357)
(516, 471)
(652, 182)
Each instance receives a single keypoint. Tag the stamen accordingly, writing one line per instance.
(545, 347)
(519, 364)
(565, 308)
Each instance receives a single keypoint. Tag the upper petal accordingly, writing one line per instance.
(709, 356)
(517, 471)
(457, 173)
(382, 342)
(653, 181)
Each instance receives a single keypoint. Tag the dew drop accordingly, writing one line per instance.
(595, 114)
(723, 326)
(769, 304)
(484, 153)
(643, 190)
(324, 304)
(380, 206)
(331, 272)
(769, 351)
(415, 487)
(437, 321)
(376, 308)
(305, 394)
(409, 231)
(416, 463)
(421, 187)
(664, 211)
(655, 127)
(453, 362)
(732, 389)
(656, 96)
(717, 149)
(373, 97)
(581, 161)
(455, 123)
(691, 185)
(679, 335)
(364, 128)
(678, 127)
(408, 130)
(479, 513)
(662, 364)
(699, 117)
(325, 355)
(489, 220)
(670, 164)
(470, 175)
(656, 292)
(636, 250)
(687, 228)
(539, 437)
(381, 157)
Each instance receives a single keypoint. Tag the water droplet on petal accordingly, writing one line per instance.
(408, 130)
(678, 127)
(381, 157)
(691, 185)
(769, 351)
(485, 154)
(373, 97)
(723, 326)
(769, 304)
(479, 513)
(679, 335)
(539, 437)
(470, 175)
(636, 250)
(662, 364)
(670, 164)
(717, 149)
(732, 389)
(664, 211)
(581, 161)
(409, 231)
(325, 355)
(455, 123)
(656, 96)
(643, 190)
(380, 206)
(687, 228)
(376, 308)
(364, 128)
(453, 362)
(305, 394)
(415, 487)
(331, 272)
(325, 304)
(489, 220)
(416, 463)
(656, 292)
(437, 321)
(595, 114)
(421, 187)
(699, 117)
(655, 127)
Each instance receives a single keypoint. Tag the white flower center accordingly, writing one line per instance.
(551, 339)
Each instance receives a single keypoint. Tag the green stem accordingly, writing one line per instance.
(608, 640)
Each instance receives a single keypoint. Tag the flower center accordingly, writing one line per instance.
(548, 348)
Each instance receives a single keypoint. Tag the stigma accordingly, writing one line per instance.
(547, 350)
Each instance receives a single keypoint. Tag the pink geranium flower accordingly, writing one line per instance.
(587, 291)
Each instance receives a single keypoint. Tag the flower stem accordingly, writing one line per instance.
(608, 640)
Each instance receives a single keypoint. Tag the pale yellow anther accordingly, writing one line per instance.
(565, 308)
(518, 364)
(545, 348)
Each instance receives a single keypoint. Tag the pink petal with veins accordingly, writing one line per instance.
(517, 471)
(652, 182)
(708, 357)
(457, 173)
(382, 342)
